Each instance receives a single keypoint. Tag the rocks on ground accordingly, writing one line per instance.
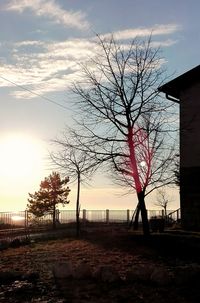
(17, 287)
(81, 283)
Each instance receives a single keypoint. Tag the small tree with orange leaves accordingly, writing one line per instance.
(53, 191)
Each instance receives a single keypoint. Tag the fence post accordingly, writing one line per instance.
(178, 215)
(57, 215)
(107, 216)
(84, 215)
(25, 219)
(128, 216)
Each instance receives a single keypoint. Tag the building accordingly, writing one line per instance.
(185, 90)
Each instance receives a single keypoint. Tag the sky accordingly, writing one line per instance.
(42, 43)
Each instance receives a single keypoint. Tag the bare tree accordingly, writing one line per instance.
(75, 163)
(122, 120)
(177, 170)
(163, 200)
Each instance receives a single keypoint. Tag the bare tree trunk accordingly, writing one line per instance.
(142, 207)
(135, 224)
(140, 193)
(165, 211)
(78, 206)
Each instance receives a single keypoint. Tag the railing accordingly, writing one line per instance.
(174, 216)
(10, 220)
(22, 223)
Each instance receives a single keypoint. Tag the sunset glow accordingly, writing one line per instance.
(44, 44)
(17, 218)
(20, 157)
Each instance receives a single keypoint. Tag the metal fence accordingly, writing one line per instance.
(174, 215)
(11, 219)
(25, 219)
(22, 223)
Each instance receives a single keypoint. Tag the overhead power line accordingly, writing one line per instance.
(34, 93)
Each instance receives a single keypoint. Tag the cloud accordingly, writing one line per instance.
(51, 10)
(29, 42)
(156, 30)
(165, 43)
(52, 66)
(43, 67)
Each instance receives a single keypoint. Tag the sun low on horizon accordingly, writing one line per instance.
(21, 167)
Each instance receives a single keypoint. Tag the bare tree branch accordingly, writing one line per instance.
(123, 122)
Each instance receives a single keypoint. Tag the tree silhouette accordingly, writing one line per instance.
(77, 164)
(53, 191)
(122, 119)
(177, 177)
(163, 200)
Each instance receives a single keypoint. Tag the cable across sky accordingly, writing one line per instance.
(34, 93)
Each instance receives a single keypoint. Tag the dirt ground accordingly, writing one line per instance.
(113, 246)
